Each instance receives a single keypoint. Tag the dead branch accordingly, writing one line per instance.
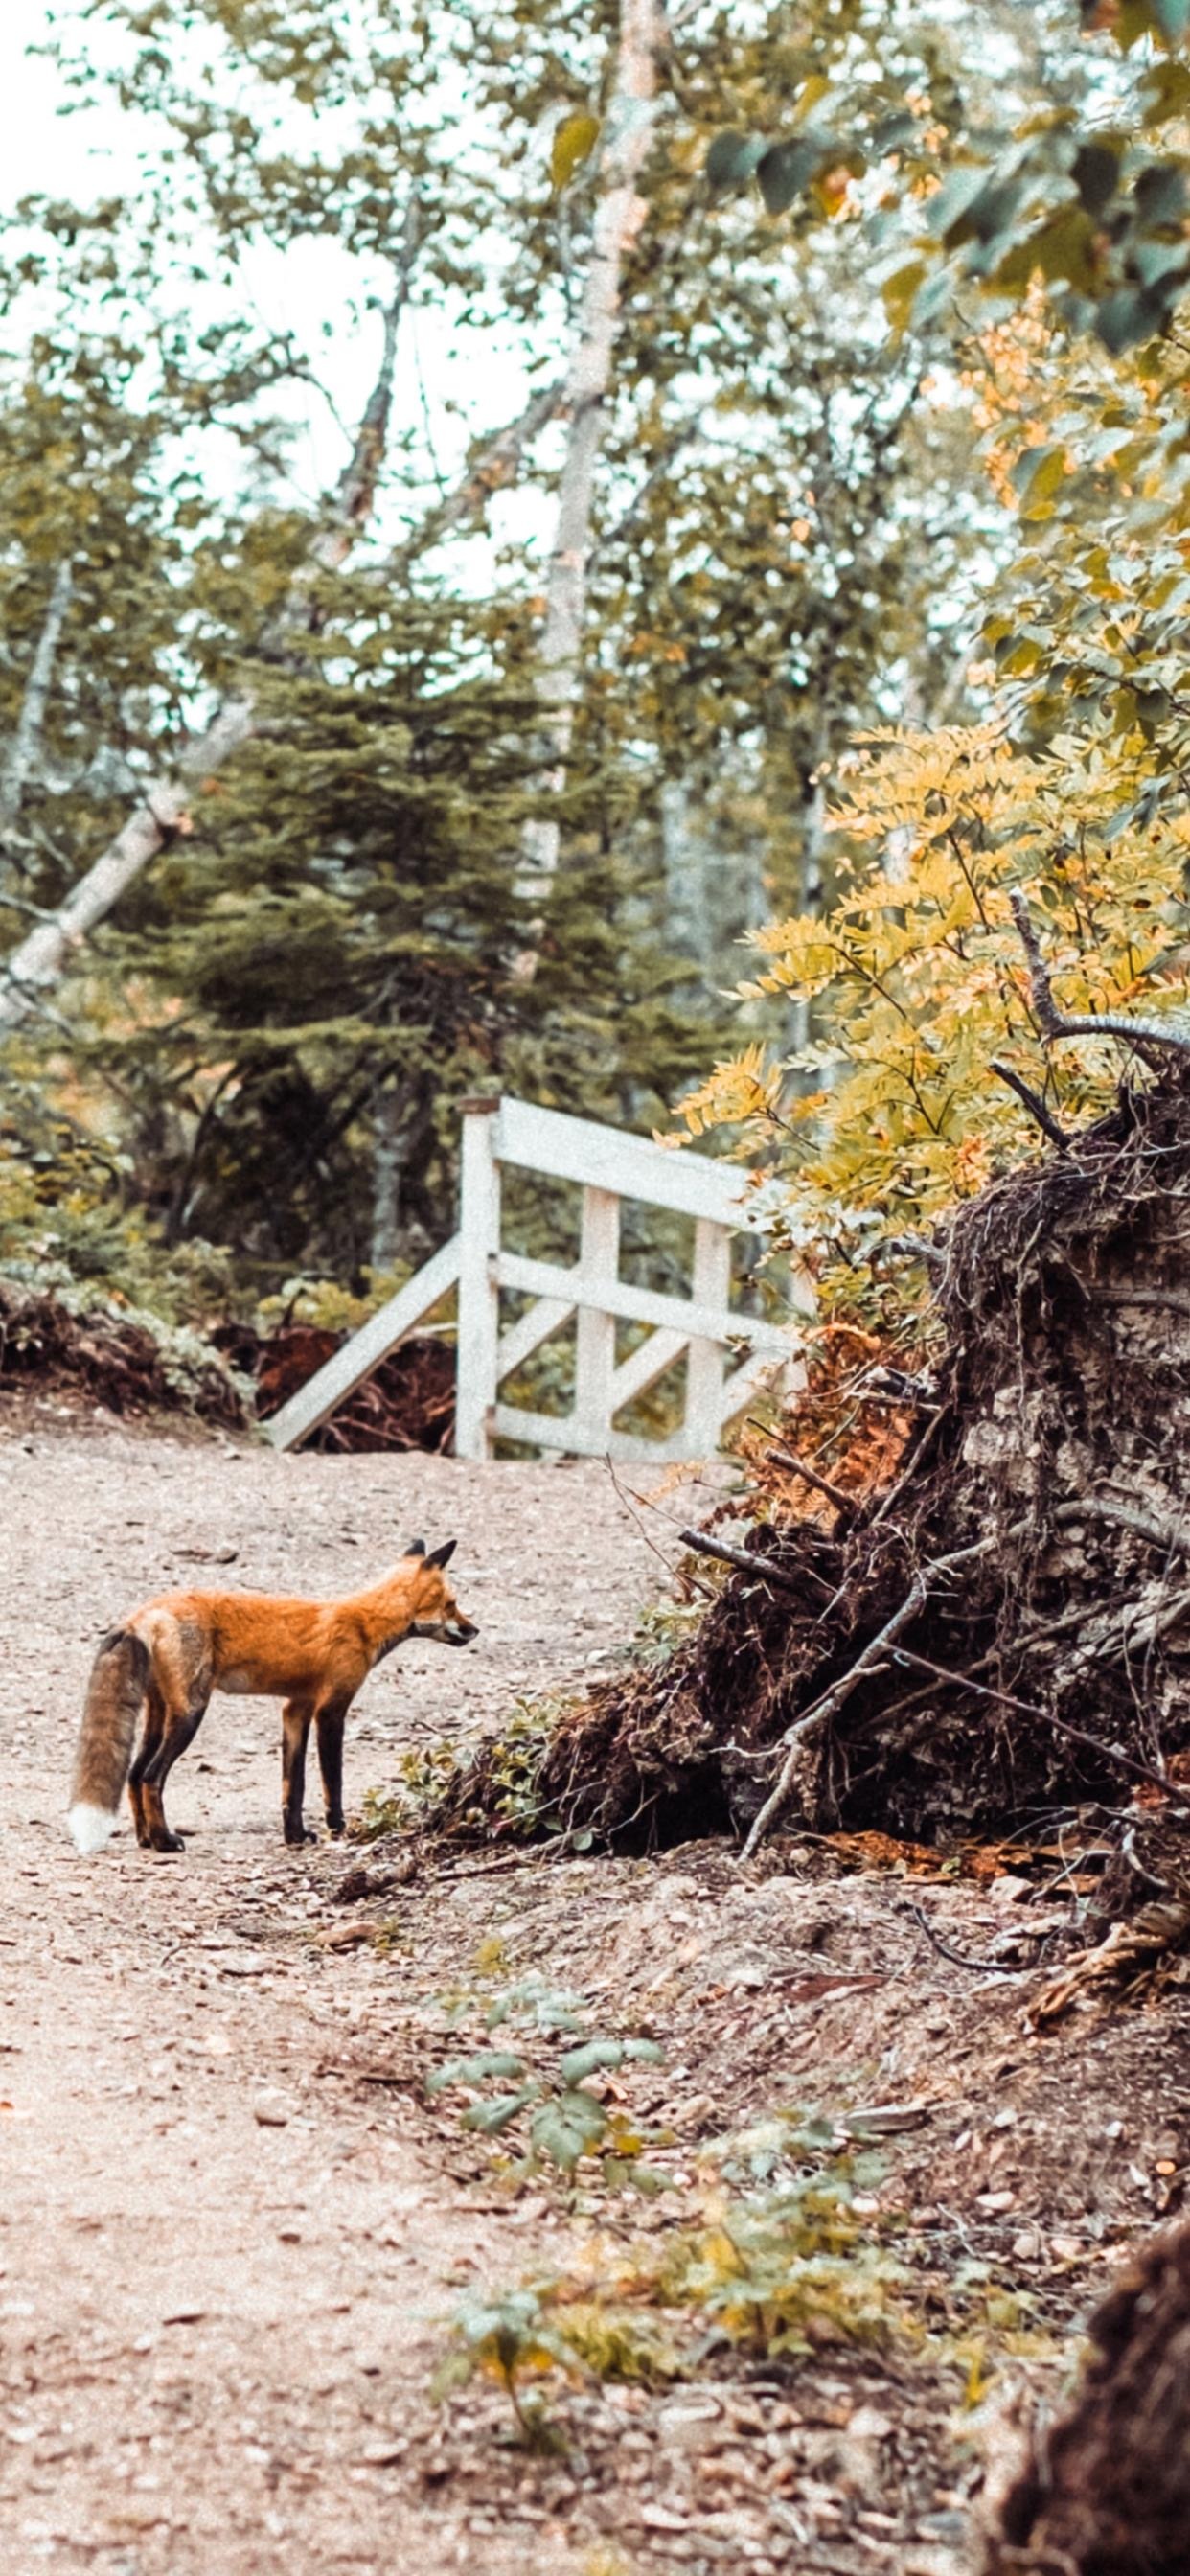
(1176, 1300)
(704, 1545)
(1030, 1708)
(840, 1691)
(1033, 1102)
(1055, 1024)
(821, 1484)
(1100, 1507)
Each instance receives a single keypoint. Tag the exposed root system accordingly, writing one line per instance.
(1049, 1469)
(407, 1403)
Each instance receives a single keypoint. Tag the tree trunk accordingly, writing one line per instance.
(1108, 2491)
(26, 741)
(619, 212)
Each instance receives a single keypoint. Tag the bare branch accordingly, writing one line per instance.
(1030, 1708)
(1055, 1024)
(960, 1958)
(1033, 1102)
(491, 469)
(1173, 1535)
(822, 1484)
(704, 1545)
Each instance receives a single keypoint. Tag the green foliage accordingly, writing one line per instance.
(778, 2271)
(426, 1775)
(1089, 192)
(523, 2335)
(566, 2122)
(774, 2249)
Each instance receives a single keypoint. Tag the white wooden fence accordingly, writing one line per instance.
(609, 1166)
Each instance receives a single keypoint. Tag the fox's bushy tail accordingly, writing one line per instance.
(115, 1697)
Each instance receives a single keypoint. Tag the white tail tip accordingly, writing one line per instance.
(90, 1826)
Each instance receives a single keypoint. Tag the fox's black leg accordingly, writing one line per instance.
(154, 1730)
(179, 1732)
(295, 1727)
(330, 1762)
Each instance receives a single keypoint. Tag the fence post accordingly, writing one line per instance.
(479, 1294)
(711, 1285)
(595, 1350)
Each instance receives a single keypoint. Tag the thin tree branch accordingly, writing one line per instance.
(704, 1545)
(1055, 1024)
(1030, 1708)
(492, 468)
(822, 1484)
(1033, 1102)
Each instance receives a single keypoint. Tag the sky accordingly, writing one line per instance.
(31, 139)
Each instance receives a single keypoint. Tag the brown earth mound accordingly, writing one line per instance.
(114, 1359)
(1030, 1560)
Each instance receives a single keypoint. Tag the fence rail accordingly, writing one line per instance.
(609, 1167)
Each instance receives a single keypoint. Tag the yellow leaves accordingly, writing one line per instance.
(918, 981)
(748, 1088)
(574, 139)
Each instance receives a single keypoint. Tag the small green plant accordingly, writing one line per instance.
(429, 1775)
(424, 1774)
(508, 2336)
(662, 1627)
(565, 2120)
(776, 2250)
(514, 2336)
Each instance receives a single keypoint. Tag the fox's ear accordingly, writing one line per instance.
(442, 1555)
(416, 1547)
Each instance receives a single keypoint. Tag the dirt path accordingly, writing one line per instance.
(219, 2279)
(232, 2223)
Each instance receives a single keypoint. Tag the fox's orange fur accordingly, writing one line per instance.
(180, 1646)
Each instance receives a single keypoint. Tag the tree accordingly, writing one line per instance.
(688, 483)
(337, 933)
(1091, 194)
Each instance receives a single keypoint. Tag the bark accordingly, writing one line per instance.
(619, 212)
(1107, 2491)
(26, 741)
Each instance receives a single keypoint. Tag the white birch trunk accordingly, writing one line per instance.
(26, 741)
(619, 212)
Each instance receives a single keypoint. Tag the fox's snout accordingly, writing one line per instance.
(453, 1631)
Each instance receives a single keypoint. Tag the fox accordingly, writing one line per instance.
(167, 1658)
